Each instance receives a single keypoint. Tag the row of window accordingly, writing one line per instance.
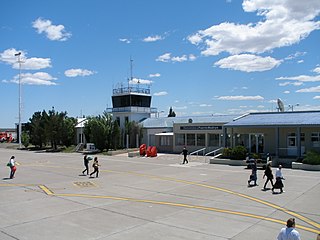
(214, 139)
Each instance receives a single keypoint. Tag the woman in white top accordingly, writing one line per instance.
(13, 167)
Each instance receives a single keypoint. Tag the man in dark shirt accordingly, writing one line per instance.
(185, 153)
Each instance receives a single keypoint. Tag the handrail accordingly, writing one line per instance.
(197, 151)
(214, 151)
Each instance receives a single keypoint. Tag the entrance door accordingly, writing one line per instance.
(256, 142)
(292, 145)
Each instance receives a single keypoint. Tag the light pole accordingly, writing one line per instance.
(20, 128)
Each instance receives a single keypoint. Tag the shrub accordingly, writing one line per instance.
(227, 152)
(312, 158)
(238, 152)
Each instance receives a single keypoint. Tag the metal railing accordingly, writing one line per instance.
(214, 152)
(203, 150)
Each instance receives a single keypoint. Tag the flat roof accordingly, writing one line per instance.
(301, 118)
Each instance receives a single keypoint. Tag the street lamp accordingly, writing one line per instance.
(20, 128)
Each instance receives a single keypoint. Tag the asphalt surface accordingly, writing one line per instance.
(148, 198)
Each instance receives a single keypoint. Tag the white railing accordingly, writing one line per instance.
(214, 152)
(203, 150)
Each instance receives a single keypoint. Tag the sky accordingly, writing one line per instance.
(200, 57)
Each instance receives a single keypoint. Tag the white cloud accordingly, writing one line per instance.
(283, 23)
(296, 55)
(8, 56)
(316, 97)
(301, 78)
(316, 70)
(164, 57)
(179, 59)
(78, 72)
(286, 92)
(248, 63)
(125, 40)
(39, 78)
(192, 57)
(241, 98)
(290, 83)
(154, 75)
(53, 32)
(152, 38)
(140, 81)
(160, 93)
(168, 58)
(309, 90)
(205, 105)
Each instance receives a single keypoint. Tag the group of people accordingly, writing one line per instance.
(286, 233)
(269, 175)
(95, 166)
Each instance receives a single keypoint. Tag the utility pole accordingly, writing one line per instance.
(20, 128)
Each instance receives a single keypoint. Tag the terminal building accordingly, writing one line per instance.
(282, 134)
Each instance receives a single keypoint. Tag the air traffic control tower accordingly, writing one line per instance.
(131, 103)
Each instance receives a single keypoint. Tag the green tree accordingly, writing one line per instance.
(98, 131)
(54, 127)
(68, 134)
(116, 136)
(171, 113)
(38, 129)
(133, 129)
(25, 139)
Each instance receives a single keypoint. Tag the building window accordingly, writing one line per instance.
(191, 139)
(213, 140)
(201, 139)
(164, 141)
(126, 120)
(180, 139)
(315, 139)
(118, 121)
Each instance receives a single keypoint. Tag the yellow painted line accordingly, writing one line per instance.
(190, 207)
(309, 221)
(17, 185)
(46, 190)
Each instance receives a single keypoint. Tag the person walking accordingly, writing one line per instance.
(95, 166)
(253, 176)
(86, 164)
(269, 175)
(289, 232)
(279, 177)
(185, 153)
(12, 165)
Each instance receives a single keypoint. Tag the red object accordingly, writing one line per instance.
(143, 148)
(154, 151)
(149, 151)
(14, 168)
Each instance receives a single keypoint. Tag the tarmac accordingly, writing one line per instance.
(148, 199)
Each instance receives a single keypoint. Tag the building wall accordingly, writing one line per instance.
(200, 132)
(282, 141)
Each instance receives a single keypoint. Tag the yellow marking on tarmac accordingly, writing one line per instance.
(17, 185)
(46, 190)
(188, 206)
(309, 221)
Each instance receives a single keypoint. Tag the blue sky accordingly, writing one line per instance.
(198, 57)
